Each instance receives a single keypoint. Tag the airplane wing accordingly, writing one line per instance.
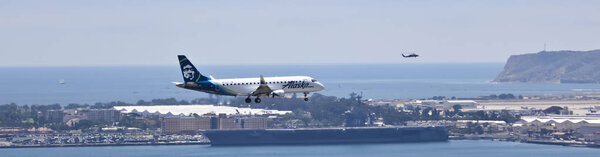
(263, 88)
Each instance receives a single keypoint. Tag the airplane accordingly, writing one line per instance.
(410, 55)
(275, 87)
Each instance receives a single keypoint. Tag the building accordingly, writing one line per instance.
(55, 116)
(426, 103)
(106, 115)
(186, 110)
(185, 124)
(243, 123)
(491, 126)
(445, 104)
(557, 123)
(254, 123)
(466, 104)
(73, 116)
(230, 123)
(387, 102)
(590, 133)
(173, 125)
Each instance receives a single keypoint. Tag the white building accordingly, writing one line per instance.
(558, 123)
(186, 110)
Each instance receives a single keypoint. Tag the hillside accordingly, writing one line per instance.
(553, 67)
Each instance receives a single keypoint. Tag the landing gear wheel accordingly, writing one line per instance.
(248, 100)
(305, 96)
(257, 100)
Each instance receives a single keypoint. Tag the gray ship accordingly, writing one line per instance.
(346, 135)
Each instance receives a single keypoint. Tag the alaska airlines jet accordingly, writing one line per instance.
(259, 87)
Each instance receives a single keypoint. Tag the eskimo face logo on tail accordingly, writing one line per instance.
(188, 72)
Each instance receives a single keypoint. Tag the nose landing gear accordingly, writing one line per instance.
(305, 96)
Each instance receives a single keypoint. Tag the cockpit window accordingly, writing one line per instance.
(313, 80)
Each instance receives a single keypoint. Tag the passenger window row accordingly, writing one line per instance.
(250, 83)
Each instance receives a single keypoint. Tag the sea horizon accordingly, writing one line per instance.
(88, 85)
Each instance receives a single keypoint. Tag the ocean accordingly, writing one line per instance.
(461, 148)
(40, 85)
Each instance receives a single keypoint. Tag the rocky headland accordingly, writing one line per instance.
(552, 67)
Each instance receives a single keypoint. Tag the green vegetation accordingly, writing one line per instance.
(134, 120)
(566, 67)
(324, 110)
(503, 96)
(320, 111)
(26, 116)
(13, 115)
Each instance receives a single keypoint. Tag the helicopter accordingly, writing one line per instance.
(413, 55)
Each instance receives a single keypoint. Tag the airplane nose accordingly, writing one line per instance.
(320, 86)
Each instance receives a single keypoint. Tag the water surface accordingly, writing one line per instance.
(461, 148)
(40, 85)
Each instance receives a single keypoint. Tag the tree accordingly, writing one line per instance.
(438, 97)
(506, 96)
(85, 124)
(506, 116)
(76, 106)
(479, 129)
(130, 120)
(457, 108)
(435, 114)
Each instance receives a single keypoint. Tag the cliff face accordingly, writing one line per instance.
(553, 67)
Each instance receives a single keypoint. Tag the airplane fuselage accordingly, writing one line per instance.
(246, 86)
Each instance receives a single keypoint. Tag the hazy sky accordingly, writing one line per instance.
(90, 33)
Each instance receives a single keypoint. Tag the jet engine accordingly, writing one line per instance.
(278, 94)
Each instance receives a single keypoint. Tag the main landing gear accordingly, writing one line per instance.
(256, 100)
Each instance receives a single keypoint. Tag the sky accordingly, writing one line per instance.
(117, 33)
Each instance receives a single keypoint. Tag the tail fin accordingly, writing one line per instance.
(189, 72)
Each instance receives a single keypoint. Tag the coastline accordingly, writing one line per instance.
(103, 145)
(530, 141)
(451, 138)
